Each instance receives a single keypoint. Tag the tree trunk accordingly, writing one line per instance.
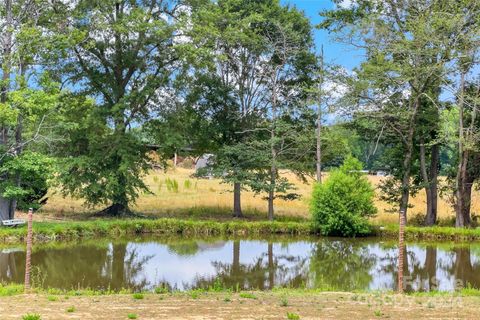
(434, 162)
(319, 126)
(407, 162)
(467, 197)
(119, 252)
(319, 146)
(271, 195)
(430, 179)
(401, 252)
(116, 209)
(461, 220)
(237, 204)
(271, 268)
(431, 267)
(4, 208)
(236, 257)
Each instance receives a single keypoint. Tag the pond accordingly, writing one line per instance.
(179, 263)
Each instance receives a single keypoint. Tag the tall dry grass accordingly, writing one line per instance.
(189, 192)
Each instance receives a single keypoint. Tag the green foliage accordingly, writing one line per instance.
(138, 296)
(172, 185)
(341, 205)
(247, 295)
(98, 164)
(132, 316)
(34, 171)
(292, 316)
(161, 290)
(32, 316)
(71, 309)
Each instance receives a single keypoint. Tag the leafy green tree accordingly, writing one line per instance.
(231, 96)
(28, 100)
(124, 55)
(342, 205)
(409, 48)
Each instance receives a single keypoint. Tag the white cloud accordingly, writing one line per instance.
(345, 4)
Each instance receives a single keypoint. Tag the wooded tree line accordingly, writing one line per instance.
(88, 85)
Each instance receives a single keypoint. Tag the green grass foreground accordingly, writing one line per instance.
(13, 289)
(52, 231)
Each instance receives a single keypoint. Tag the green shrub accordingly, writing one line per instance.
(132, 316)
(341, 205)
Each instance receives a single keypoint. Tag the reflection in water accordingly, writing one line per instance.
(186, 264)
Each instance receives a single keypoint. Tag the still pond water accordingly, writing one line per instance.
(146, 263)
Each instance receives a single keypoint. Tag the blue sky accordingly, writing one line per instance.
(334, 52)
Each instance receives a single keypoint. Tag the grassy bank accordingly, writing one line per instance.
(51, 231)
(429, 233)
(226, 304)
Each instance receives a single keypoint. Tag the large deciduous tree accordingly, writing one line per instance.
(124, 55)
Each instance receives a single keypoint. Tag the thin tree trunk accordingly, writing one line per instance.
(236, 257)
(319, 125)
(401, 252)
(271, 269)
(319, 146)
(435, 160)
(273, 173)
(237, 203)
(407, 162)
(461, 220)
(273, 151)
(430, 179)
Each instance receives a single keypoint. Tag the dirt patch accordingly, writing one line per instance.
(233, 306)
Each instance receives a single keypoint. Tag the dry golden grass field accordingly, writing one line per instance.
(213, 195)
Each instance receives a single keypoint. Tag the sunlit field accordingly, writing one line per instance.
(193, 195)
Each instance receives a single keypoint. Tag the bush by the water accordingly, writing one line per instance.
(342, 204)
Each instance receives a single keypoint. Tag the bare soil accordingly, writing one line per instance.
(276, 305)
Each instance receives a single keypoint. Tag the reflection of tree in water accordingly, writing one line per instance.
(11, 268)
(419, 275)
(341, 265)
(101, 267)
(265, 272)
(124, 267)
(184, 248)
(422, 273)
(464, 269)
